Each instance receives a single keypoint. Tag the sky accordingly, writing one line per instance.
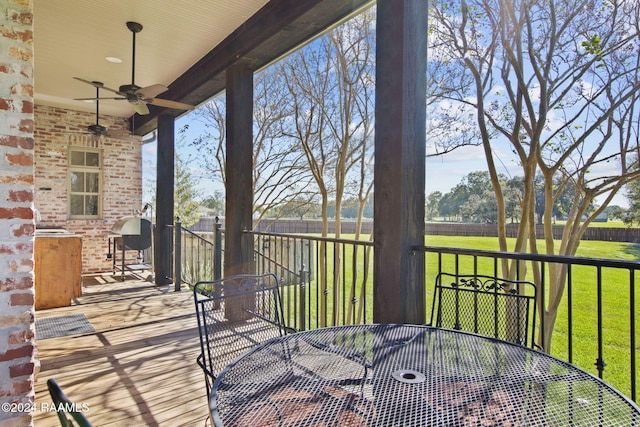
(446, 171)
(442, 173)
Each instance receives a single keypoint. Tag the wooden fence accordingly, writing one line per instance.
(294, 226)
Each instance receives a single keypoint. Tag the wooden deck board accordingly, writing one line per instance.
(138, 368)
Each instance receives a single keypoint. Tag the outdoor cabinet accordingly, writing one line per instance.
(57, 269)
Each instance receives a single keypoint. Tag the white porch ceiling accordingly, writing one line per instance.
(72, 38)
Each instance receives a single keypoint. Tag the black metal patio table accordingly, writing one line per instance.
(405, 375)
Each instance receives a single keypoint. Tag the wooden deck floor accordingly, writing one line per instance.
(138, 368)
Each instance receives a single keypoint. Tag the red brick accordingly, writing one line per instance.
(16, 142)
(20, 17)
(21, 299)
(6, 104)
(22, 387)
(22, 90)
(20, 196)
(16, 179)
(21, 337)
(26, 125)
(22, 213)
(27, 107)
(121, 193)
(12, 284)
(21, 370)
(16, 353)
(23, 230)
(20, 53)
(21, 159)
(13, 34)
(23, 265)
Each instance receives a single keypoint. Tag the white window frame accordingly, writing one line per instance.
(84, 168)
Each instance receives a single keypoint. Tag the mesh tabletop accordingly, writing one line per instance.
(401, 375)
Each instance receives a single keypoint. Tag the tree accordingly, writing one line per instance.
(631, 215)
(215, 202)
(433, 201)
(279, 173)
(557, 83)
(186, 207)
(330, 87)
(298, 208)
(480, 208)
(512, 199)
(449, 204)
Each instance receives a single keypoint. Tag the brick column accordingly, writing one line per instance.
(17, 343)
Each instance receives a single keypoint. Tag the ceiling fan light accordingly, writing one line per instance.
(113, 59)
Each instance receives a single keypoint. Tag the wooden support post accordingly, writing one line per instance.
(239, 169)
(399, 171)
(164, 200)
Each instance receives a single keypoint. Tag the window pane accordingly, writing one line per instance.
(92, 183)
(77, 182)
(85, 178)
(77, 158)
(92, 205)
(93, 159)
(77, 203)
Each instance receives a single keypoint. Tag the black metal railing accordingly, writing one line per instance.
(328, 281)
(596, 323)
(197, 256)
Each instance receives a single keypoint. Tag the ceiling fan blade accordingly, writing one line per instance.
(94, 99)
(151, 91)
(96, 84)
(170, 104)
(140, 108)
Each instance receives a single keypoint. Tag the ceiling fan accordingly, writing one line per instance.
(97, 130)
(138, 96)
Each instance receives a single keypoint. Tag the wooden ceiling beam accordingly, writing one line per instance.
(279, 27)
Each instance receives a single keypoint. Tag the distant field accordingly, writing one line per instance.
(588, 248)
(608, 224)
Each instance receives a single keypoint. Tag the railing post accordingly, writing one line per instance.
(301, 303)
(217, 251)
(177, 256)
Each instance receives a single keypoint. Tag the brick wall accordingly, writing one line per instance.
(56, 130)
(17, 362)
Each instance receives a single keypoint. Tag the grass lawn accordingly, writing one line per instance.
(583, 328)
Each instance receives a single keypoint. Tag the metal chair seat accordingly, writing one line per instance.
(235, 314)
(486, 305)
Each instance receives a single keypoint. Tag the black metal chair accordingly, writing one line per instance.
(485, 305)
(65, 406)
(235, 314)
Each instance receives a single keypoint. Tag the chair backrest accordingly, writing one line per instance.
(485, 305)
(65, 407)
(235, 314)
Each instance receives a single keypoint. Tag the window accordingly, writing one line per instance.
(85, 183)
